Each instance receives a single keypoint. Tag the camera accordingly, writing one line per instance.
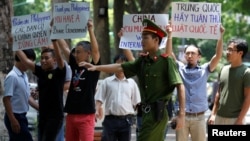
(173, 124)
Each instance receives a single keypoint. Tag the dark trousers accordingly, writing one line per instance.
(48, 128)
(117, 128)
(24, 134)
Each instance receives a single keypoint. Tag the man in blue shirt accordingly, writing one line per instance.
(16, 100)
(195, 78)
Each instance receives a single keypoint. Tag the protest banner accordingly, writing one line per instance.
(70, 20)
(196, 20)
(132, 29)
(31, 31)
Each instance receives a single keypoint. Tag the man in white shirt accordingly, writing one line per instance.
(120, 97)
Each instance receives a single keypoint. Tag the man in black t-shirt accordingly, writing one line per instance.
(50, 83)
(80, 104)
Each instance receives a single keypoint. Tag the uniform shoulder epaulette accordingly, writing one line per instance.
(164, 55)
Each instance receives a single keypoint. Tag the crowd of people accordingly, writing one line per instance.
(158, 75)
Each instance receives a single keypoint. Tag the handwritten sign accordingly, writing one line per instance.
(31, 31)
(70, 20)
(132, 29)
(196, 20)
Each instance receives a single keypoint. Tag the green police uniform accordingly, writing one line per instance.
(157, 79)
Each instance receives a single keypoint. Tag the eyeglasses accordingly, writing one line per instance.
(190, 53)
(231, 50)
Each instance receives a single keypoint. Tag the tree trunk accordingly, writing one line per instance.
(102, 31)
(119, 6)
(6, 53)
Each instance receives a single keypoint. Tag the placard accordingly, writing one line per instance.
(70, 20)
(31, 31)
(132, 29)
(196, 20)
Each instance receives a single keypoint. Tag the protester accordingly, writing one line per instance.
(16, 100)
(232, 100)
(195, 76)
(60, 135)
(120, 96)
(51, 78)
(158, 76)
(80, 104)
(35, 93)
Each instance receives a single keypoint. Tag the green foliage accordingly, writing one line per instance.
(24, 7)
(233, 6)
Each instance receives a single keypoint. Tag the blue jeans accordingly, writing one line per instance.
(24, 134)
(139, 122)
(60, 135)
